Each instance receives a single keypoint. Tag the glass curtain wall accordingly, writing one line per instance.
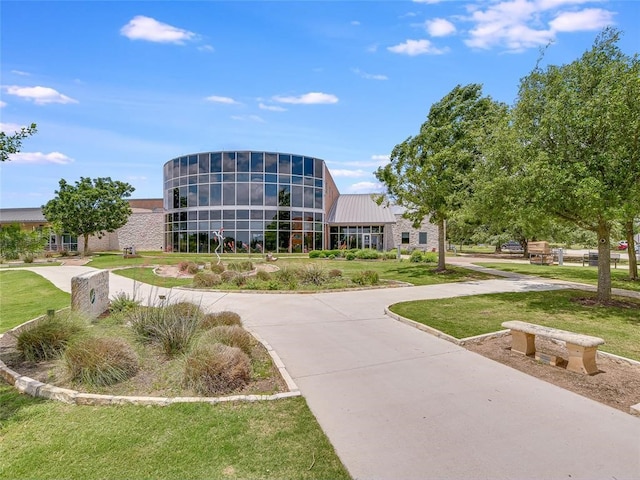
(360, 237)
(244, 202)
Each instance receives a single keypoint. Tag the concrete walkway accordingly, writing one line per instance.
(397, 403)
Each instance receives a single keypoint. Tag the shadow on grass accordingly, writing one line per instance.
(12, 402)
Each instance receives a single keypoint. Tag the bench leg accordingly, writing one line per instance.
(524, 343)
(582, 359)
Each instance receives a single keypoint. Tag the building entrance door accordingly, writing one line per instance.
(366, 240)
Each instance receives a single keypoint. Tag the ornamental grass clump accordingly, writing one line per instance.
(48, 338)
(218, 319)
(313, 274)
(172, 327)
(206, 280)
(214, 369)
(122, 302)
(366, 277)
(101, 361)
(231, 335)
(244, 266)
(263, 276)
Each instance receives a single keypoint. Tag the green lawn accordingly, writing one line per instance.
(463, 317)
(26, 295)
(588, 275)
(49, 440)
(146, 275)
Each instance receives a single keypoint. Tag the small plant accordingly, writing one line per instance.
(313, 274)
(263, 276)
(245, 266)
(206, 280)
(231, 335)
(366, 277)
(430, 257)
(100, 361)
(122, 302)
(350, 256)
(367, 254)
(48, 338)
(335, 273)
(217, 268)
(192, 268)
(183, 266)
(213, 369)
(228, 275)
(287, 274)
(218, 319)
(28, 258)
(273, 285)
(239, 280)
(315, 253)
(64, 253)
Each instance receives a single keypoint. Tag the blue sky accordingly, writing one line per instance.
(118, 88)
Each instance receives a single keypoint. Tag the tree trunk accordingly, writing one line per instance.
(604, 262)
(441, 246)
(85, 250)
(631, 250)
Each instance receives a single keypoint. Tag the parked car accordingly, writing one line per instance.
(622, 245)
(512, 246)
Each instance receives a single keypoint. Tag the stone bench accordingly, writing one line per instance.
(581, 348)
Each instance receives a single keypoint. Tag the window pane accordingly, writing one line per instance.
(270, 163)
(257, 163)
(203, 163)
(229, 194)
(243, 161)
(405, 237)
(242, 192)
(193, 164)
(256, 193)
(203, 195)
(284, 164)
(284, 196)
(216, 162)
(308, 166)
(296, 165)
(271, 194)
(296, 196)
(229, 162)
(214, 194)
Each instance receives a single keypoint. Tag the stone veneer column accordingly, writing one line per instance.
(90, 293)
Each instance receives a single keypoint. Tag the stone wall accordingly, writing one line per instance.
(405, 225)
(144, 231)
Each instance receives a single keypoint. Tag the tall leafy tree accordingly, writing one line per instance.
(580, 149)
(429, 173)
(90, 207)
(12, 143)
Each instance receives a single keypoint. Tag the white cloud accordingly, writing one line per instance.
(147, 28)
(3, 104)
(225, 100)
(374, 162)
(206, 48)
(355, 23)
(39, 158)
(341, 172)
(366, 187)
(134, 178)
(522, 24)
(439, 27)
(372, 48)
(369, 76)
(21, 73)
(382, 159)
(589, 19)
(416, 47)
(248, 118)
(311, 98)
(39, 95)
(11, 127)
(427, 1)
(271, 108)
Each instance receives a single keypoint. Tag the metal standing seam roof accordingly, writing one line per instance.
(359, 209)
(22, 215)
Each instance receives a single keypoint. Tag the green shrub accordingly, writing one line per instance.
(239, 280)
(217, 268)
(48, 338)
(213, 369)
(416, 256)
(122, 302)
(313, 274)
(430, 257)
(218, 319)
(245, 266)
(332, 256)
(252, 284)
(366, 277)
(350, 256)
(391, 255)
(206, 280)
(366, 254)
(315, 253)
(100, 361)
(262, 275)
(274, 285)
(28, 258)
(231, 335)
(172, 327)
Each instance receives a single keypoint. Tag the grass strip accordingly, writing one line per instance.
(49, 440)
(463, 317)
(589, 276)
(25, 295)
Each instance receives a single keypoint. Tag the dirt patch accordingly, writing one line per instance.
(617, 384)
(173, 271)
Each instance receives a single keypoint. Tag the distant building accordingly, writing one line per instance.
(249, 201)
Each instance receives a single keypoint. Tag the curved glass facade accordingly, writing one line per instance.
(258, 201)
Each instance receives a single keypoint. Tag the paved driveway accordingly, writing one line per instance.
(397, 403)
